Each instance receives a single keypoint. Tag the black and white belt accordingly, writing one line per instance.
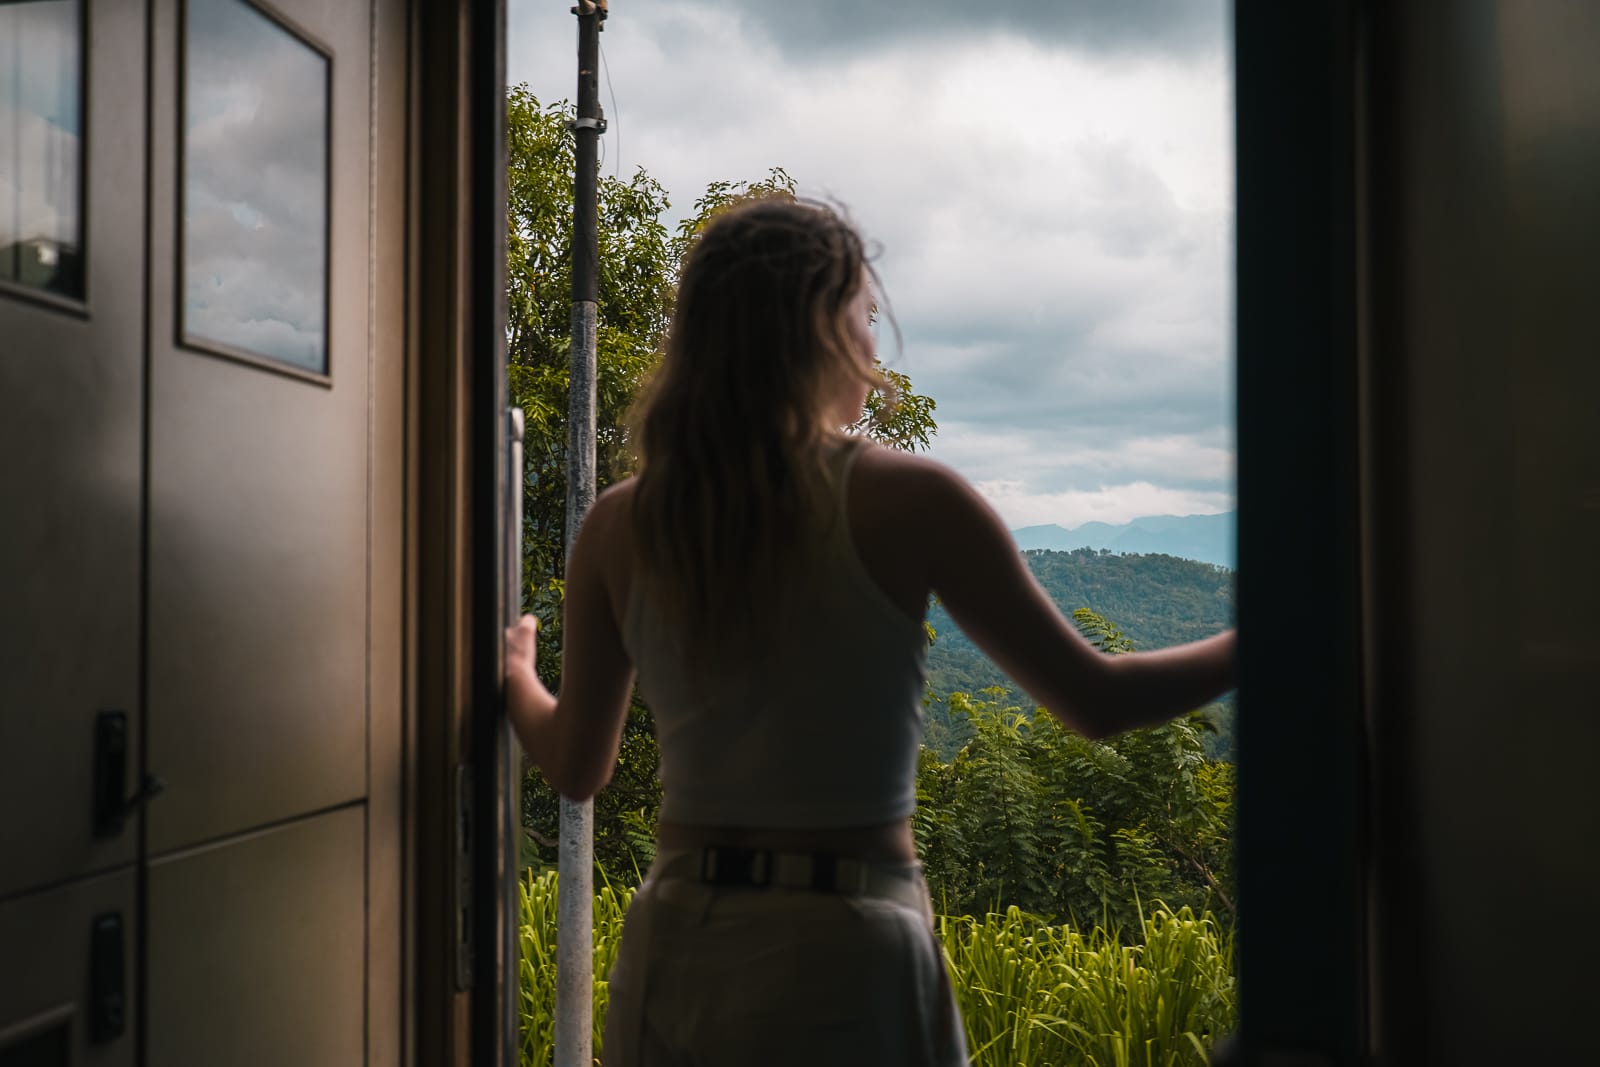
(758, 868)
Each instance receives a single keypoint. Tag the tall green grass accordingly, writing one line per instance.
(1032, 993)
(539, 961)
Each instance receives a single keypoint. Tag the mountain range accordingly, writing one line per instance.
(1156, 600)
(1207, 538)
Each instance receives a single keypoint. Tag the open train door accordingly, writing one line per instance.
(257, 795)
(202, 462)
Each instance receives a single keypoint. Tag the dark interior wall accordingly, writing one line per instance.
(1485, 259)
(1419, 483)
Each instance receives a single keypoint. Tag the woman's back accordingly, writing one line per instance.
(817, 720)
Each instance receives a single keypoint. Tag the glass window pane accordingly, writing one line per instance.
(41, 124)
(255, 187)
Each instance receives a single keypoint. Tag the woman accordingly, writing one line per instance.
(765, 577)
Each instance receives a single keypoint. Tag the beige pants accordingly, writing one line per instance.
(710, 977)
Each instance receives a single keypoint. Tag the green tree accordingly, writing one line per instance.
(638, 263)
(637, 259)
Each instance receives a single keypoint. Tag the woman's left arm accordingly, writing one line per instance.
(574, 737)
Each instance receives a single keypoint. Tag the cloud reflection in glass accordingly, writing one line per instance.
(255, 187)
(40, 128)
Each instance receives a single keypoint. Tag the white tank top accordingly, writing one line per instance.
(822, 731)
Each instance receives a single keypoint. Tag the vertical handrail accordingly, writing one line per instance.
(511, 986)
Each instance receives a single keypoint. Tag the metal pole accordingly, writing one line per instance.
(574, 1021)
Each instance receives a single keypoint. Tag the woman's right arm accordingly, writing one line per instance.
(980, 577)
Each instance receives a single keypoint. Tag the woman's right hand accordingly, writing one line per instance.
(522, 641)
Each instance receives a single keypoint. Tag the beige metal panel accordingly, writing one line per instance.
(388, 773)
(1499, 249)
(258, 511)
(256, 950)
(45, 953)
(70, 418)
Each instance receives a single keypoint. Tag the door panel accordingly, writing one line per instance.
(46, 1006)
(71, 380)
(259, 479)
(190, 539)
(257, 948)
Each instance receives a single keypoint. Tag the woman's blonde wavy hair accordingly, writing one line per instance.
(731, 432)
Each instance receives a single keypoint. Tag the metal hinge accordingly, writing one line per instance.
(463, 876)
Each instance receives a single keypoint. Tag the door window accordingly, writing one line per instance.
(255, 188)
(41, 136)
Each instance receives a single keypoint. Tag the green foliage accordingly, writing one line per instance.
(907, 423)
(637, 261)
(637, 265)
(1157, 600)
(1049, 996)
(721, 195)
(538, 961)
(1030, 992)
(1031, 814)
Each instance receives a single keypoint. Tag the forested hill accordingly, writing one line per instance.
(1155, 600)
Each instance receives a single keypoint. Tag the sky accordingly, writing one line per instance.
(39, 117)
(1049, 184)
(255, 244)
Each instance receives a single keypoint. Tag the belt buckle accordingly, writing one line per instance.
(829, 874)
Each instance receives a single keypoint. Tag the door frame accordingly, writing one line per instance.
(463, 989)
(1303, 828)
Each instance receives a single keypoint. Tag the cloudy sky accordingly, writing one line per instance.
(40, 120)
(255, 186)
(1050, 183)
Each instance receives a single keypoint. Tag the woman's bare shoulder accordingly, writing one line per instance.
(952, 520)
(905, 479)
(913, 467)
(617, 496)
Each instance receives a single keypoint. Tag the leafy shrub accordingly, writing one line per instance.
(1029, 813)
